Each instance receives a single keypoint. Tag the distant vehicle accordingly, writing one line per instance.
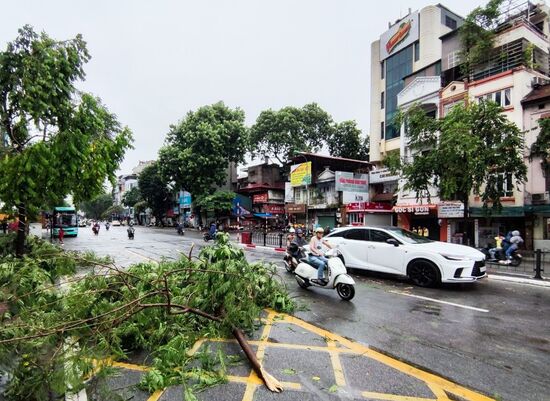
(66, 217)
(395, 250)
(115, 223)
(82, 223)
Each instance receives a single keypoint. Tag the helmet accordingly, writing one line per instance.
(293, 248)
(291, 230)
(320, 230)
(299, 231)
(515, 233)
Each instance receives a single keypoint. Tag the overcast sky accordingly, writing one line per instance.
(153, 61)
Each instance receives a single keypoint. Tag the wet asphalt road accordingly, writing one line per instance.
(495, 338)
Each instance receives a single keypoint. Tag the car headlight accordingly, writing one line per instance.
(455, 257)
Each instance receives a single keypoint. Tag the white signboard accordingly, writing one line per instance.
(353, 197)
(346, 181)
(450, 210)
(289, 193)
(382, 175)
(399, 36)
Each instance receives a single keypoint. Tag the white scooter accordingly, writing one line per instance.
(338, 277)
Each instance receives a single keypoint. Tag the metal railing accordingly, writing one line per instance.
(533, 262)
(268, 239)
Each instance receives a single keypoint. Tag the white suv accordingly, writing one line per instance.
(398, 251)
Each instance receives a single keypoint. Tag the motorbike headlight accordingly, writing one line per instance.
(455, 257)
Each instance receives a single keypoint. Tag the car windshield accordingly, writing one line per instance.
(408, 236)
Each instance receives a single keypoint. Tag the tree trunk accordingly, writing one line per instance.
(21, 230)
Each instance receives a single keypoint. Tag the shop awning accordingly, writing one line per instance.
(509, 211)
(264, 215)
(534, 209)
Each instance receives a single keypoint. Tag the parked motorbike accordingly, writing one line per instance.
(337, 275)
(500, 257)
(131, 231)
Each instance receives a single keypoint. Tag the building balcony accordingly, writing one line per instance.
(421, 88)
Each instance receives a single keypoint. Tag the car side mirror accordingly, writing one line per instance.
(392, 241)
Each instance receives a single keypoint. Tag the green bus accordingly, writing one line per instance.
(66, 217)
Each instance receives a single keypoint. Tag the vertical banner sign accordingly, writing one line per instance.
(289, 193)
(300, 174)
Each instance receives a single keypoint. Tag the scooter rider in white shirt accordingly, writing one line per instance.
(317, 257)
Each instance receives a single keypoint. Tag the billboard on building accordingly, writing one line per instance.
(399, 36)
(382, 175)
(300, 174)
(354, 197)
(289, 193)
(346, 181)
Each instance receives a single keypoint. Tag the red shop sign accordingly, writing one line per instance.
(378, 207)
(260, 198)
(274, 209)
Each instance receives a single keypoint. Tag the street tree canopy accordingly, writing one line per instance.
(58, 140)
(131, 197)
(283, 133)
(153, 188)
(345, 141)
(96, 207)
(219, 202)
(474, 148)
(200, 147)
(541, 147)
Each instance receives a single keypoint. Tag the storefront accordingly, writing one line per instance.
(487, 226)
(296, 213)
(451, 221)
(421, 219)
(369, 213)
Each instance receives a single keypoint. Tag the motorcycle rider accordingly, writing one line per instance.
(317, 258)
(514, 244)
(107, 226)
(290, 237)
(498, 245)
(212, 231)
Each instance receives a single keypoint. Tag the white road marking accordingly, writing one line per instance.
(441, 302)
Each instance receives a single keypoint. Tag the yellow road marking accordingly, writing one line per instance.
(439, 392)
(426, 377)
(156, 395)
(130, 366)
(142, 256)
(336, 364)
(392, 397)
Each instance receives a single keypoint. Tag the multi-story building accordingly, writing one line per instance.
(333, 191)
(411, 45)
(519, 61)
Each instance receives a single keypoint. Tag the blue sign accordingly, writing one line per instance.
(185, 200)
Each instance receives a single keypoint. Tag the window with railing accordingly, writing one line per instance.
(502, 97)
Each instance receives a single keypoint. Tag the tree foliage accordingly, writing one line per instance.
(219, 202)
(541, 147)
(96, 207)
(477, 35)
(131, 197)
(345, 141)
(59, 331)
(200, 147)
(60, 141)
(470, 150)
(113, 210)
(153, 188)
(283, 133)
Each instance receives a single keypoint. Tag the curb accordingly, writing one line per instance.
(262, 248)
(520, 280)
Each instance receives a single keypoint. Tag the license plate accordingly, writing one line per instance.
(482, 269)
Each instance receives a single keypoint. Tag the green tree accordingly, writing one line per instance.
(541, 147)
(96, 207)
(60, 141)
(477, 35)
(113, 210)
(220, 202)
(345, 141)
(200, 148)
(283, 133)
(470, 150)
(131, 197)
(153, 188)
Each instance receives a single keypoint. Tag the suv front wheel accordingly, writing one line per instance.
(424, 273)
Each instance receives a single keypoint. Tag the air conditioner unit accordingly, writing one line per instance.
(538, 81)
(543, 197)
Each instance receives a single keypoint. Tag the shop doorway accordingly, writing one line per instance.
(426, 225)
